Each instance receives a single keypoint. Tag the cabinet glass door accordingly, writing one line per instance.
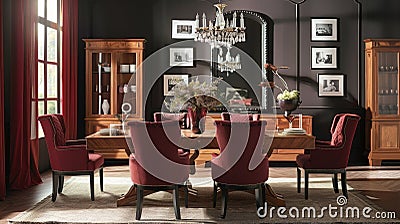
(388, 83)
(126, 83)
(101, 83)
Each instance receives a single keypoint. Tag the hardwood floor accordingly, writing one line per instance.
(381, 185)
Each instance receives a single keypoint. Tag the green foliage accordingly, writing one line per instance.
(288, 95)
(195, 94)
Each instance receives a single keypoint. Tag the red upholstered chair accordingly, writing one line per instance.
(157, 163)
(164, 116)
(236, 117)
(68, 160)
(241, 165)
(69, 141)
(330, 156)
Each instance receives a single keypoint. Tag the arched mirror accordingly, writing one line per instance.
(259, 46)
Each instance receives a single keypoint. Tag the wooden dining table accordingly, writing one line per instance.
(197, 142)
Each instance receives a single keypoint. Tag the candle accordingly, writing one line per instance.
(234, 19)
(241, 20)
(197, 24)
(204, 20)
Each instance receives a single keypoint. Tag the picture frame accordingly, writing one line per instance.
(324, 29)
(183, 29)
(324, 57)
(181, 56)
(330, 85)
(170, 80)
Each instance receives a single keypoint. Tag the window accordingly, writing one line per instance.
(47, 85)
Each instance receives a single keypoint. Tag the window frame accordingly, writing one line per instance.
(36, 99)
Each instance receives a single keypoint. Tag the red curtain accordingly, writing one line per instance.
(23, 151)
(70, 66)
(2, 147)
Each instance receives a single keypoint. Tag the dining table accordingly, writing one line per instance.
(196, 142)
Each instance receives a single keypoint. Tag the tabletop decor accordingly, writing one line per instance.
(288, 100)
(195, 96)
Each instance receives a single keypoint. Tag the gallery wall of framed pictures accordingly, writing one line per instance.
(326, 57)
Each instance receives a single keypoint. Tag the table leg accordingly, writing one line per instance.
(192, 161)
(130, 196)
(273, 198)
(127, 198)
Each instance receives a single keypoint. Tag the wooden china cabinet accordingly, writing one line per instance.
(113, 73)
(382, 99)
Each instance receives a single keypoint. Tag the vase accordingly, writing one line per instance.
(105, 106)
(288, 106)
(197, 119)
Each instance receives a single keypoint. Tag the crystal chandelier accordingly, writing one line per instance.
(223, 32)
(229, 63)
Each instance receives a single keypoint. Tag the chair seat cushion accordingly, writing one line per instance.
(303, 161)
(95, 161)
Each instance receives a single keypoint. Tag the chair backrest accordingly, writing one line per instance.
(155, 157)
(164, 116)
(236, 117)
(241, 160)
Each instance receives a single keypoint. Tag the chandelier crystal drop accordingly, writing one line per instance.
(223, 32)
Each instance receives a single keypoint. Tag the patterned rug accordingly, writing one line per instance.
(74, 205)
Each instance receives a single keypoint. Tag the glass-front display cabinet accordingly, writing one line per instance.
(112, 72)
(382, 99)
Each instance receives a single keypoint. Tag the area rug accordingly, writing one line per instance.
(74, 205)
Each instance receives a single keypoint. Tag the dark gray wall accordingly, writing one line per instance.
(152, 20)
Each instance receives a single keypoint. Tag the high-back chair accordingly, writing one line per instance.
(68, 160)
(156, 163)
(241, 165)
(330, 156)
(227, 116)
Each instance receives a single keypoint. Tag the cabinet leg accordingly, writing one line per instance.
(375, 162)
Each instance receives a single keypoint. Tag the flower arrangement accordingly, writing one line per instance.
(285, 94)
(195, 94)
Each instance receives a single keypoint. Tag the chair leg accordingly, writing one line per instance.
(335, 183)
(101, 178)
(186, 196)
(92, 186)
(224, 200)
(139, 201)
(215, 194)
(60, 183)
(55, 186)
(344, 184)
(306, 184)
(298, 180)
(260, 196)
(175, 200)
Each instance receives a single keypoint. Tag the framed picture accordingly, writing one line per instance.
(324, 29)
(324, 57)
(183, 29)
(181, 56)
(330, 85)
(170, 80)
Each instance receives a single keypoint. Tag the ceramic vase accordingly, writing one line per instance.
(105, 106)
